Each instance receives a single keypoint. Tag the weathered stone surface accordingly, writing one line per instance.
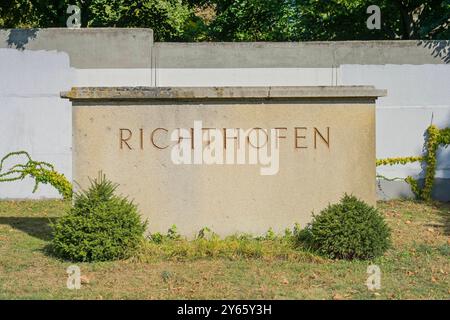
(113, 93)
(326, 139)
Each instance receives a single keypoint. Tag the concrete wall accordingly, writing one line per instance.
(36, 65)
(44, 62)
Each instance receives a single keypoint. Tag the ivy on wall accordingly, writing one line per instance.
(41, 172)
(435, 138)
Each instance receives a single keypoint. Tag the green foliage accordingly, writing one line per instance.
(100, 226)
(294, 20)
(394, 161)
(435, 137)
(173, 234)
(444, 137)
(208, 244)
(206, 233)
(169, 19)
(41, 172)
(350, 229)
(444, 249)
(255, 20)
(270, 235)
(415, 188)
(242, 20)
(430, 158)
(33, 13)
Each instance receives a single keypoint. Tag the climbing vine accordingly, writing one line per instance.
(394, 161)
(41, 172)
(435, 138)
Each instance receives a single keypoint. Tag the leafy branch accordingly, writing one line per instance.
(40, 171)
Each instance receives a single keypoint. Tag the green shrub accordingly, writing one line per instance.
(350, 229)
(100, 226)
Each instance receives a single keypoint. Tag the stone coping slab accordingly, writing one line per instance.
(174, 93)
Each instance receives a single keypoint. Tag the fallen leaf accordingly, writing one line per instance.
(84, 279)
(314, 276)
(285, 281)
(430, 230)
(433, 279)
(337, 296)
(408, 222)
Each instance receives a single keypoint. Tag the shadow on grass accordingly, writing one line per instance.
(444, 214)
(33, 226)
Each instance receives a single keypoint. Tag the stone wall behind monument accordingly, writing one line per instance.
(37, 64)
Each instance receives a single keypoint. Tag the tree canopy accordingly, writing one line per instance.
(242, 20)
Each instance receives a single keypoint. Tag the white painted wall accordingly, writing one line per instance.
(246, 77)
(32, 115)
(418, 95)
(34, 118)
(112, 77)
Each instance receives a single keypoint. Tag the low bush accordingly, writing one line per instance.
(100, 225)
(350, 229)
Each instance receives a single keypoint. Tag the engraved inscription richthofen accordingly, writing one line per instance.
(140, 137)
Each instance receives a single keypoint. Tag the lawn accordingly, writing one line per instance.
(416, 267)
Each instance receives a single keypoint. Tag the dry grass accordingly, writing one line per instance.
(417, 267)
